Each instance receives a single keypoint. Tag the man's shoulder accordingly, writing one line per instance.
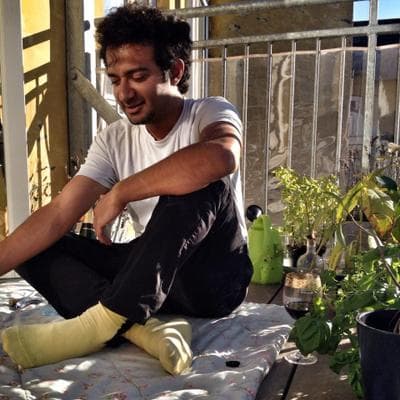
(209, 104)
(118, 128)
(121, 124)
(217, 100)
(213, 109)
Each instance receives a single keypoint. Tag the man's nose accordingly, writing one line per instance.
(125, 91)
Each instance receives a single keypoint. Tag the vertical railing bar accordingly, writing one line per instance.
(397, 108)
(244, 115)
(203, 72)
(224, 66)
(317, 68)
(369, 90)
(206, 55)
(267, 122)
(291, 103)
(342, 72)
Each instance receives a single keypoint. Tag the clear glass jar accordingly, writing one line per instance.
(310, 261)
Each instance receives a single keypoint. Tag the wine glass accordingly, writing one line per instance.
(299, 291)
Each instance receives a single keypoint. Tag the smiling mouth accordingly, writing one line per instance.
(133, 109)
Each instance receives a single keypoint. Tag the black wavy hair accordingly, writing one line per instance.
(132, 24)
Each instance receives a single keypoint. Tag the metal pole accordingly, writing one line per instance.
(315, 108)
(397, 109)
(204, 66)
(93, 97)
(244, 114)
(291, 103)
(241, 7)
(369, 90)
(268, 122)
(223, 72)
(339, 131)
(314, 34)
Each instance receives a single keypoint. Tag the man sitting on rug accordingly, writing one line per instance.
(173, 165)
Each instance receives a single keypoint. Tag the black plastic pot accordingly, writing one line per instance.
(380, 354)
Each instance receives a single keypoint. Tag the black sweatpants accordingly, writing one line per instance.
(190, 260)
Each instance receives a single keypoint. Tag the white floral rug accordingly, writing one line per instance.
(232, 355)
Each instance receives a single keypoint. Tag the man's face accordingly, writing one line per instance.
(140, 87)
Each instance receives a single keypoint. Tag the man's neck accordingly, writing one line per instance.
(160, 130)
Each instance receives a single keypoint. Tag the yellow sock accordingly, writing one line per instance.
(167, 341)
(40, 344)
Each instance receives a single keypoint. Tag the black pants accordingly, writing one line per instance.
(190, 260)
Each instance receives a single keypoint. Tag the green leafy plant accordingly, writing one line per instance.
(309, 205)
(371, 283)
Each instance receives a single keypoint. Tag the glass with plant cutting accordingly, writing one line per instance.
(299, 292)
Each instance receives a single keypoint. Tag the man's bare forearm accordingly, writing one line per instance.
(33, 236)
(50, 223)
(183, 172)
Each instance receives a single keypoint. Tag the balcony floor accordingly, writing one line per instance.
(291, 382)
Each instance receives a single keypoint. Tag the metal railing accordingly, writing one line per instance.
(344, 60)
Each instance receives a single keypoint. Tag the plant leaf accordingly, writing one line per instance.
(357, 301)
(335, 255)
(349, 201)
(379, 210)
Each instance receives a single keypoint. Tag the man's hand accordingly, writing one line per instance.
(107, 209)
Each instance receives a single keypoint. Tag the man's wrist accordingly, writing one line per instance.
(118, 192)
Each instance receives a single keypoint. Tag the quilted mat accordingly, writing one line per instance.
(232, 355)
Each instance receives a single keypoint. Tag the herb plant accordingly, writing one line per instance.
(371, 283)
(309, 205)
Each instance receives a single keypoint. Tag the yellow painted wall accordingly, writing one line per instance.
(43, 23)
(98, 8)
(45, 98)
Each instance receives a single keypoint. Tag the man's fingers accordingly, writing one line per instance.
(100, 232)
(102, 238)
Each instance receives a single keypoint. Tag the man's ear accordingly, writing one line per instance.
(176, 71)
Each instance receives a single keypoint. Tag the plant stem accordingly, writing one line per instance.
(380, 249)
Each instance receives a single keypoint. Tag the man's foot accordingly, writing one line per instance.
(40, 344)
(167, 341)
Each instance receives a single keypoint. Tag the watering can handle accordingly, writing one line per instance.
(253, 212)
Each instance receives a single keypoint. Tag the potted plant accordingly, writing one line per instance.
(308, 209)
(379, 342)
(371, 283)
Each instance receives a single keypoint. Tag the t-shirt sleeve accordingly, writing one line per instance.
(98, 165)
(218, 109)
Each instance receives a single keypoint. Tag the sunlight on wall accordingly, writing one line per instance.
(36, 20)
(45, 98)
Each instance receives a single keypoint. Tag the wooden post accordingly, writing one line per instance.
(79, 121)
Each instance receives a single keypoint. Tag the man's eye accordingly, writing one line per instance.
(139, 77)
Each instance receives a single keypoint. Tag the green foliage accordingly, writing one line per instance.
(309, 205)
(371, 283)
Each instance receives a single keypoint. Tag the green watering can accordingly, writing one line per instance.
(265, 251)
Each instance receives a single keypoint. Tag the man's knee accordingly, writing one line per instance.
(213, 195)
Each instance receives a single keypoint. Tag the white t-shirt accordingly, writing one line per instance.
(123, 149)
